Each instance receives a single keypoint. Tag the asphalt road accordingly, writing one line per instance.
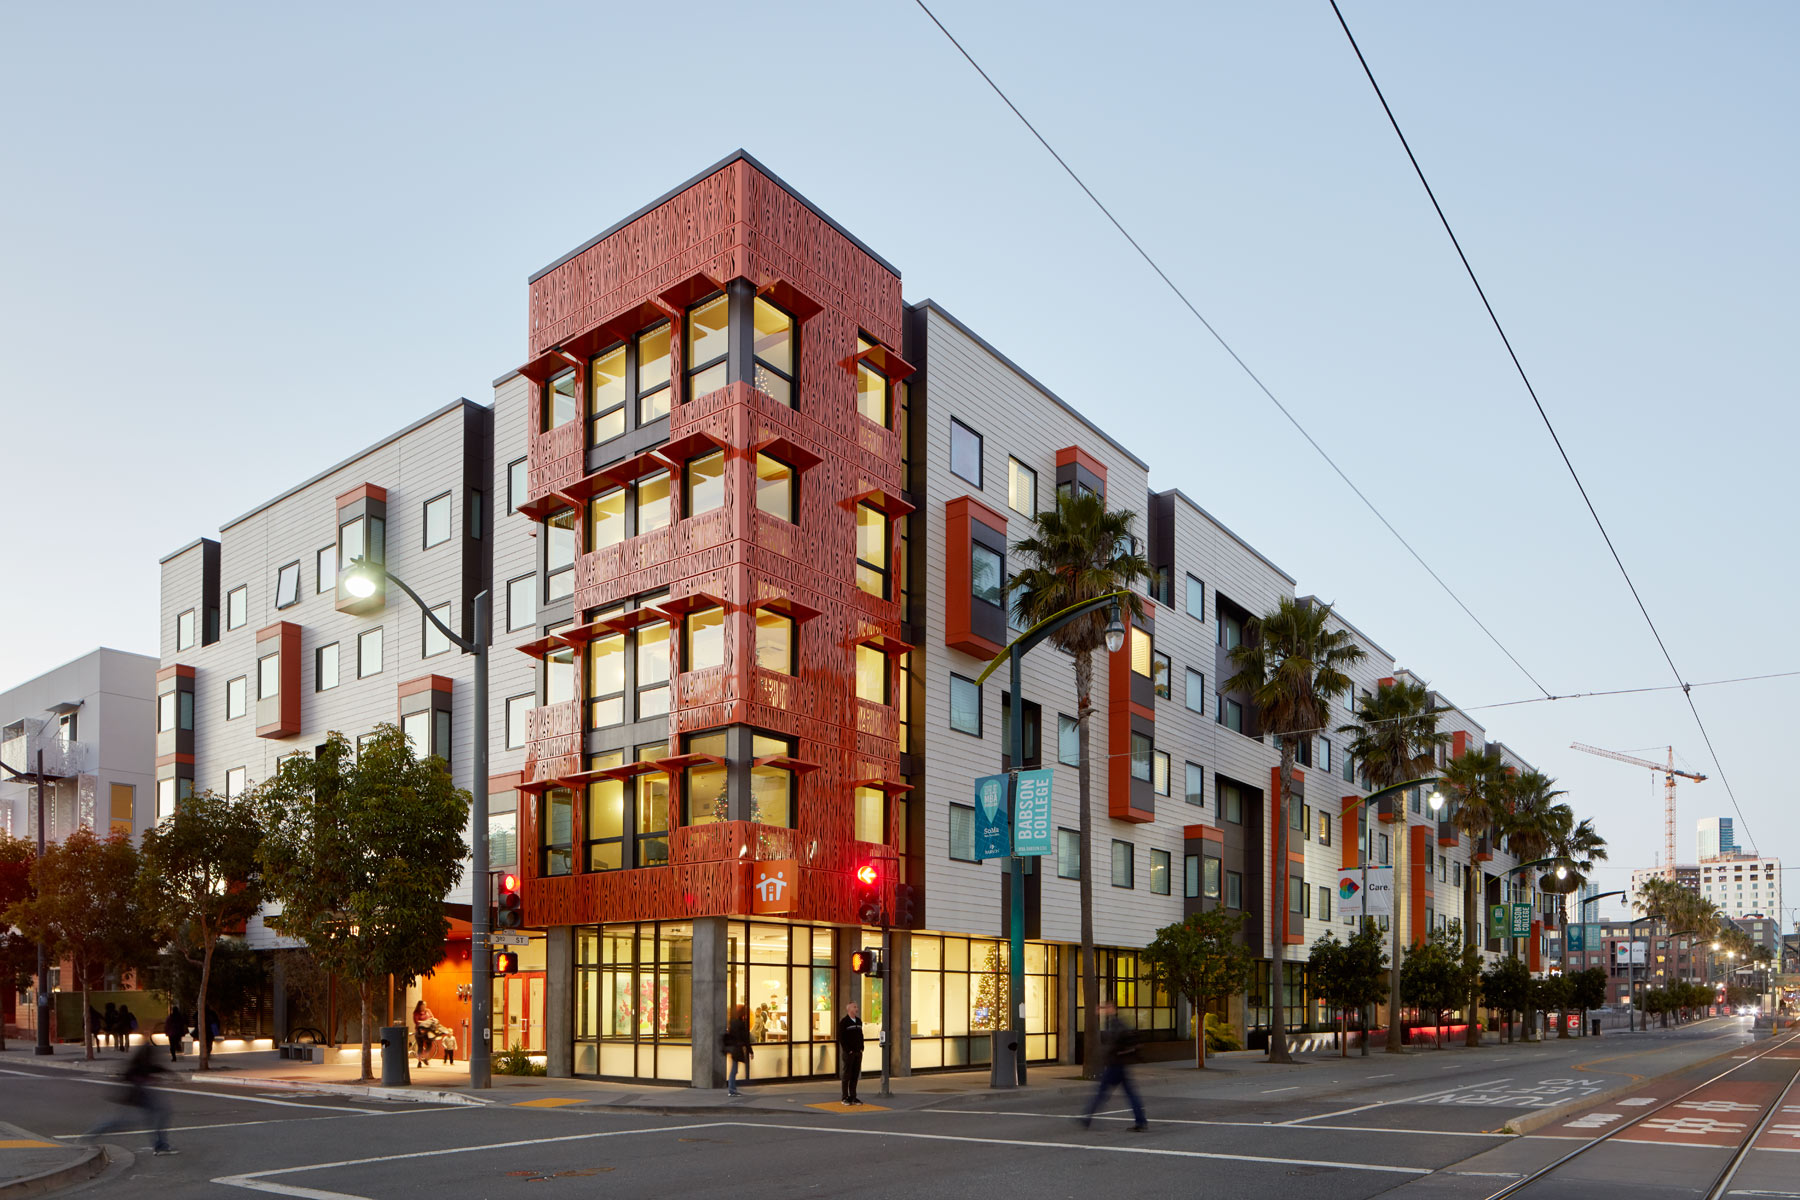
(1333, 1129)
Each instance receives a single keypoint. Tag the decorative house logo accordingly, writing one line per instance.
(774, 889)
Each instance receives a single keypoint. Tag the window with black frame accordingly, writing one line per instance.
(562, 399)
(872, 399)
(708, 340)
(872, 559)
(773, 348)
(557, 832)
(607, 372)
(772, 786)
(653, 369)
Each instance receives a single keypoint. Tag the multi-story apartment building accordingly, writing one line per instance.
(263, 654)
(1744, 887)
(87, 724)
(754, 524)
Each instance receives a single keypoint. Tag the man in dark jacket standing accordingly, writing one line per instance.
(1118, 1048)
(850, 1049)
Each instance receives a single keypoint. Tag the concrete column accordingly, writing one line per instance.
(1068, 976)
(559, 1001)
(711, 994)
(900, 1002)
(278, 999)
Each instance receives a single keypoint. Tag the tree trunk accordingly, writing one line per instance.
(1400, 840)
(1199, 1038)
(87, 1016)
(363, 991)
(1090, 983)
(201, 1020)
(1278, 1051)
(1471, 933)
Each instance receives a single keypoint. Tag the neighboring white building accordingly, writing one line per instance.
(1745, 886)
(90, 719)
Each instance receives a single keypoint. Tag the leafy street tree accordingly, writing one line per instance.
(84, 907)
(1395, 737)
(1506, 986)
(1080, 551)
(1476, 786)
(1587, 991)
(1467, 979)
(201, 879)
(1203, 960)
(18, 956)
(360, 851)
(1292, 667)
(1350, 976)
(1431, 978)
(1551, 994)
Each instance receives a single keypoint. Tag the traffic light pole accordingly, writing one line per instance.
(887, 999)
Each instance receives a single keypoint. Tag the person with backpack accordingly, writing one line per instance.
(137, 1093)
(1118, 1049)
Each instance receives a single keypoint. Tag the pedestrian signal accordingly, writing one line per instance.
(506, 962)
(866, 962)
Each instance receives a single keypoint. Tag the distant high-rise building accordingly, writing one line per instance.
(1716, 838)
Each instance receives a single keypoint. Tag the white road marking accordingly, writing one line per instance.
(1423, 1097)
(1271, 1125)
(1718, 1106)
(1693, 1125)
(259, 1181)
(1385, 1075)
(1638, 1101)
(1596, 1120)
(1272, 1091)
(191, 1091)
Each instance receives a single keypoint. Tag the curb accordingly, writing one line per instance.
(366, 1091)
(91, 1163)
(1549, 1116)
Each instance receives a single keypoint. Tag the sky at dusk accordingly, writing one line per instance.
(239, 243)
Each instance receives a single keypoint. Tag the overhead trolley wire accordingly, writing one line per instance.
(1226, 346)
(1518, 366)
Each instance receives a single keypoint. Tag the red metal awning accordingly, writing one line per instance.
(544, 645)
(892, 787)
(789, 452)
(787, 606)
(787, 762)
(682, 762)
(630, 470)
(691, 445)
(681, 606)
(881, 501)
(884, 643)
(628, 770)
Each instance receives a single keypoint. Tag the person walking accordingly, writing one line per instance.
(1118, 1048)
(140, 1069)
(424, 1020)
(738, 1051)
(109, 1025)
(175, 1028)
(128, 1023)
(850, 1049)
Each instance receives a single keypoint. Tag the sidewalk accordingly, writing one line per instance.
(30, 1164)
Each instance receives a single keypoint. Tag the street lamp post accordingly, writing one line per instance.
(1362, 817)
(361, 581)
(43, 950)
(1581, 918)
(1004, 1075)
(1562, 873)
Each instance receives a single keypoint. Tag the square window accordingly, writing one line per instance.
(872, 551)
(325, 668)
(962, 832)
(965, 706)
(1231, 715)
(775, 642)
(368, 653)
(1143, 648)
(1068, 854)
(871, 815)
(437, 520)
(1196, 691)
(521, 602)
(517, 473)
(1159, 872)
(1122, 876)
(1021, 487)
(1196, 786)
(268, 676)
(871, 391)
(287, 586)
(435, 642)
(236, 780)
(772, 347)
(1196, 599)
(1231, 804)
(518, 713)
(705, 483)
(653, 374)
(325, 568)
(562, 399)
(236, 694)
(1159, 674)
(965, 452)
(237, 606)
(1234, 890)
(1159, 776)
(1068, 741)
(872, 683)
(1209, 882)
(1324, 828)
(184, 630)
(559, 554)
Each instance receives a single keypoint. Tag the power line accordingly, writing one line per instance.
(1526, 379)
(1226, 346)
(1662, 687)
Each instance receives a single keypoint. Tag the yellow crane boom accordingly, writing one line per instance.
(1669, 771)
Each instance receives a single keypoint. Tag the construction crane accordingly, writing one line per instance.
(1669, 772)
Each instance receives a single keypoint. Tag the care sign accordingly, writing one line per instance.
(993, 829)
(1375, 898)
(1031, 813)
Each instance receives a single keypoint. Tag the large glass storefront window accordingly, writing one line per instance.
(784, 975)
(959, 997)
(634, 1001)
(1125, 980)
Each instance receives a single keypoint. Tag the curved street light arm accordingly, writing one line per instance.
(1044, 628)
(456, 639)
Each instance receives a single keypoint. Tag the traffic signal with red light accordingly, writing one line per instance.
(511, 905)
(868, 894)
(866, 962)
(506, 962)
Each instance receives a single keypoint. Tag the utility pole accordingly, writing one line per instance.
(43, 963)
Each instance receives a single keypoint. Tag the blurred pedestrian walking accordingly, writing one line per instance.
(175, 1027)
(140, 1069)
(737, 1048)
(109, 1025)
(1118, 1049)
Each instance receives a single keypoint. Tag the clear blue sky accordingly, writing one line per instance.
(240, 242)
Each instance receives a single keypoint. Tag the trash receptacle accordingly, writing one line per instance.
(1005, 1070)
(1594, 1026)
(396, 1063)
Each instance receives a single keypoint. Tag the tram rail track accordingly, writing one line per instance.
(1723, 1178)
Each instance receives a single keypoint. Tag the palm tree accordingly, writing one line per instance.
(1395, 738)
(1530, 825)
(1291, 666)
(1079, 552)
(1477, 785)
(1663, 901)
